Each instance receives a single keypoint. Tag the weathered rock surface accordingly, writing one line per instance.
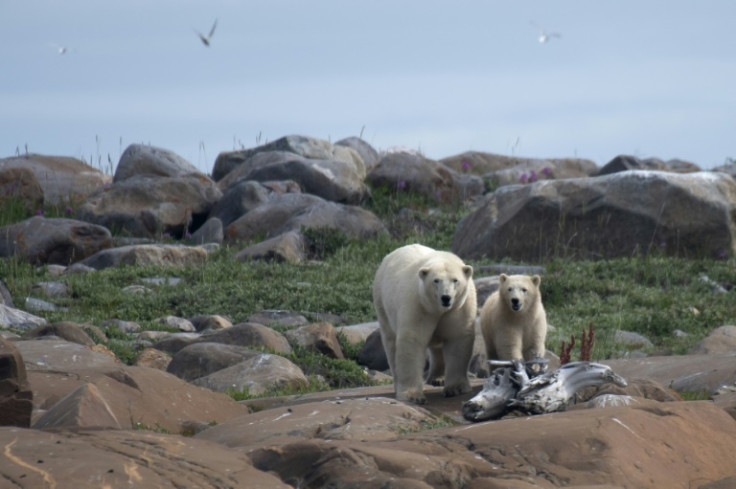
(64, 180)
(151, 206)
(147, 254)
(145, 160)
(318, 337)
(491, 164)
(306, 147)
(293, 212)
(407, 171)
(602, 217)
(94, 459)
(11, 317)
(627, 162)
(244, 196)
(684, 373)
(720, 340)
(333, 180)
(59, 241)
(19, 186)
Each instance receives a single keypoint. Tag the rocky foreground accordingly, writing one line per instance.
(72, 415)
(99, 423)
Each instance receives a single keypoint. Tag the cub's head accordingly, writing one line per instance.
(518, 292)
(445, 285)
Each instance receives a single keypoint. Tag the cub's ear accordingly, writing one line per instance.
(423, 272)
(502, 278)
(536, 280)
(468, 271)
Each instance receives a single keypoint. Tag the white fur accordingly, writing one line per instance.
(425, 299)
(514, 334)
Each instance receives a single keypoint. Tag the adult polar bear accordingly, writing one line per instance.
(425, 300)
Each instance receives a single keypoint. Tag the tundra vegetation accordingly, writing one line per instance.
(665, 299)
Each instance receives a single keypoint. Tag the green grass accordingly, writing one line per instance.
(654, 296)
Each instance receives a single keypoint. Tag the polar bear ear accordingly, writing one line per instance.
(502, 278)
(536, 280)
(468, 271)
(423, 272)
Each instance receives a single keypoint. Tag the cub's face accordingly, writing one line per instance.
(518, 292)
(445, 287)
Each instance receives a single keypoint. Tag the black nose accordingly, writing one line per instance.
(446, 300)
(515, 304)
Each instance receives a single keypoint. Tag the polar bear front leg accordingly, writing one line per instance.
(408, 374)
(457, 353)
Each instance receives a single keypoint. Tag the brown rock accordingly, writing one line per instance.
(19, 186)
(56, 241)
(94, 459)
(720, 340)
(16, 397)
(64, 180)
(320, 337)
(65, 330)
(85, 407)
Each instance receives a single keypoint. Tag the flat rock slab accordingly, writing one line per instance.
(678, 445)
(684, 373)
(365, 418)
(94, 459)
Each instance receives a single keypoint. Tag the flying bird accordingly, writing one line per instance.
(60, 50)
(544, 36)
(206, 39)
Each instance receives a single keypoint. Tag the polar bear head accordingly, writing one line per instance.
(519, 292)
(445, 284)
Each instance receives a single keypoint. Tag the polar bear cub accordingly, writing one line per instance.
(513, 320)
(425, 300)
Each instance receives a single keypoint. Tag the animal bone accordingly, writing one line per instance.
(519, 386)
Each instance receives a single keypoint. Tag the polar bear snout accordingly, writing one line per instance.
(446, 300)
(516, 304)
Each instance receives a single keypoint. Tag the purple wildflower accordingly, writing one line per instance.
(533, 176)
(465, 165)
(39, 212)
(401, 185)
(524, 177)
(69, 210)
(547, 171)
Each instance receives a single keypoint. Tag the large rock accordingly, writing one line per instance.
(287, 247)
(134, 396)
(720, 340)
(684, 373)
(94, 459)
(19, 186)
(626, 162)
(151, 206)
(601, 217)
(145, 160)
(244, 196)
(256, 375)
(367, 152)
(201, 359)
(11, 317)
(501, 170)
(57, 241)
(318, 337)
(64, 180)
(404, 171)
(332, 180)
(147, 254)
(16, 397)
(343, 443)
(294, 212)
(306, 147)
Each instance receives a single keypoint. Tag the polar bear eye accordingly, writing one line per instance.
(523, 290)
(436, 280)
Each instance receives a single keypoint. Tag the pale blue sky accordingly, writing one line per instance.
(650, 78)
